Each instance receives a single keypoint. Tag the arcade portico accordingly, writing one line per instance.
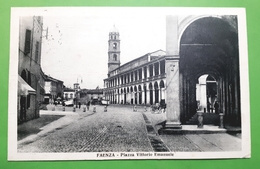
(196, 46)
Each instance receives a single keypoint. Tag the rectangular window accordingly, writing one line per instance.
(27, 46)
(156, 68)
(28, 101)
(151, 70)
(140, 74)
(36, 51)
(145, 72)
(162, 67)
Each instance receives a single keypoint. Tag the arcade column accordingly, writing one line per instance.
(172, 93)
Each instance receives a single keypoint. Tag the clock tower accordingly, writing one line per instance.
(113, 50)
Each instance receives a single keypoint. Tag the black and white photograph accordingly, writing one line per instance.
(111, 83)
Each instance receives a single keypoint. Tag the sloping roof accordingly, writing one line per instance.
(68, 89)
(91, 91)
(49, 78)
(23, 88)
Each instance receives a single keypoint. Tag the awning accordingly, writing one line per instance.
(23, 88)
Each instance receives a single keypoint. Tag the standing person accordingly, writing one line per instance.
(88, 103)
(208, 107)
(216, 106)
(79, 105)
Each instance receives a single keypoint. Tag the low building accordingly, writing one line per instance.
(53, 90)
(93, 95)
(68, 93)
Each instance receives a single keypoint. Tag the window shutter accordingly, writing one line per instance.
(37, 51)
(27, 46)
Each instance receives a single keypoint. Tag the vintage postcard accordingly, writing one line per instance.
(106, 83)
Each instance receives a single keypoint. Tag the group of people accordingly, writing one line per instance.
(86, 104)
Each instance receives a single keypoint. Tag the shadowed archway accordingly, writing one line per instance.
(210, 46)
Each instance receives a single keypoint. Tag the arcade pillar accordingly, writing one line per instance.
(173, 75)
(172, 93)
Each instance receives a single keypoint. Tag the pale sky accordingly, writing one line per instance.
(77, 45)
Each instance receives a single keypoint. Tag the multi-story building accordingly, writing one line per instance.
(140, 81)
(30, 78)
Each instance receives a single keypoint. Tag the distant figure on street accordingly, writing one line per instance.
(208, 107)
(79, 105)
(88, 103)
(216, 106)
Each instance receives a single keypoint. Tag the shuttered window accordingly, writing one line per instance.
(28, 101)
(27, 46)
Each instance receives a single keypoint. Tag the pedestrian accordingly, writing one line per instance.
(84, 107)
(88, 103)
(79, 105)
(216, 105)
(208, 107)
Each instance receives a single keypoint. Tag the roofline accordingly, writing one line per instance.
(52, 79)
(147, 54)
(138, 67)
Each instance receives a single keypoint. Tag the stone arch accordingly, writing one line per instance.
(192, 18)
(139, 88)
(135, 88)
(156, 92)
(151, 93)
(139, 94)
(145, 93)
(135, 95)
(124, 95)
(162, 92)
(215, 53)
(150, 86)
(206, 92)
(162, 84)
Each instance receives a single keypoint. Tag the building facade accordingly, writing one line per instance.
(30, 75)
(53, 89)
(68, 93)
(140, 81)
(92, 95)
(196, 46)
